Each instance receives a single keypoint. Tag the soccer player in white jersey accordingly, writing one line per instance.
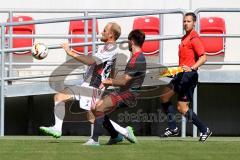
(125, 96)
(100, 64)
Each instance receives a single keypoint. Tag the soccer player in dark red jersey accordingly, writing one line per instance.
(129, 83)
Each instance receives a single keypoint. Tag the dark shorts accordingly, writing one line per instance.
(123, 98)
(184, 84)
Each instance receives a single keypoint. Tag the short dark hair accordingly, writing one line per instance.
(194, 17)
(137, 36)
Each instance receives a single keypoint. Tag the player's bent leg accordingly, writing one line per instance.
(59, 113)
(90, 117)
(166, 94)
(104, 105)
(64, 95)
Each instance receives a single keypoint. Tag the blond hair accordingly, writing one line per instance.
(115, 29)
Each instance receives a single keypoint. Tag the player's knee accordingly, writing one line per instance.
(166, 95)
(97, 113)
(56, 97)
(182, 107)
(164, 99)
(179, 108)
(99, 108)
(59, 97)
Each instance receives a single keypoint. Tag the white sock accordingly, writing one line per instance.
(92, 128)
(119, 129)
(59, 113)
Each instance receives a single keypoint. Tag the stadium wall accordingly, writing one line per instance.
(218, 104)
(218, 107)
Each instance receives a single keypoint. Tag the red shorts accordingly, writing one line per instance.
(126, 97)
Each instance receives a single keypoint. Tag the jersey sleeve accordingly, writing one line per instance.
(101, 57)
(131, 71)
(198, 46)
(135, 69)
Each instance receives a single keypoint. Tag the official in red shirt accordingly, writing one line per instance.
(191, 56)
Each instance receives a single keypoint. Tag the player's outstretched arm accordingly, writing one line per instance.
(88, 60)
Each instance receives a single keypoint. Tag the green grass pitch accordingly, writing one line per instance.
(152, 148)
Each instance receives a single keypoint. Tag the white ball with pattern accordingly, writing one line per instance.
(39, 51)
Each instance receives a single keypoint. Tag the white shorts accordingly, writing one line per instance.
(87, 95)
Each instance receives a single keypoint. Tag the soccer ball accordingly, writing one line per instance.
(39, 51)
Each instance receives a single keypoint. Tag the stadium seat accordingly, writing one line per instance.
(23, 29)
(150, 26)
(213, 25)
(77, 27)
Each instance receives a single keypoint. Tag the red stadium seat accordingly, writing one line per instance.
(77, 27)
(213, 25)
(150, 26)
(24, 29)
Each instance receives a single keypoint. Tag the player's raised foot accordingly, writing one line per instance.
(51, 131)
(130, 135)
(91, 142)
(204, 136)
(118, 139)
(170, 132)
